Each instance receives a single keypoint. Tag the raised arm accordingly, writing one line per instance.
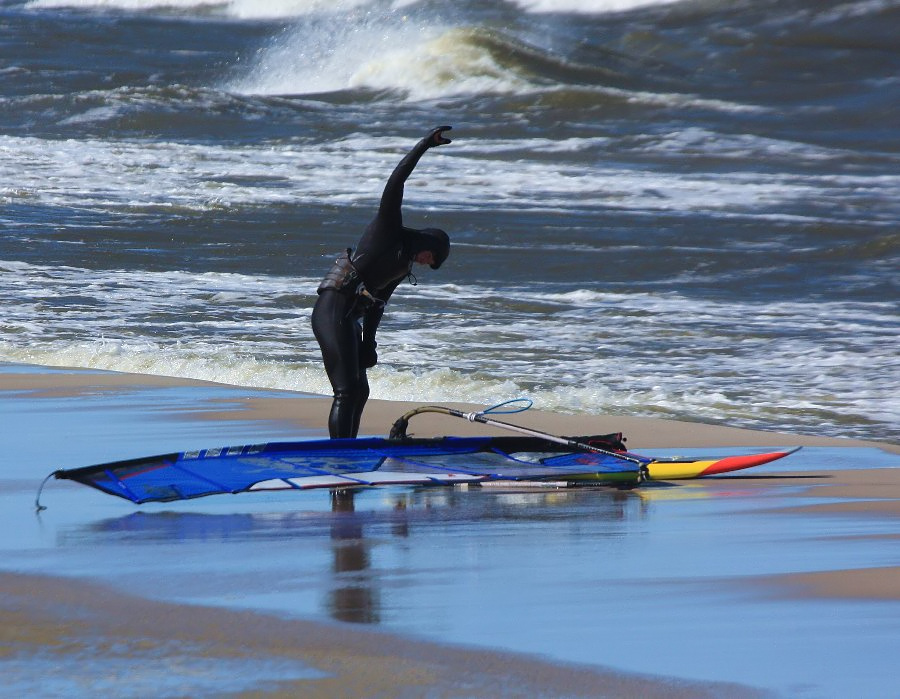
(392, 197)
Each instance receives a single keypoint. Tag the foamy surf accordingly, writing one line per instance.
(285, 9)
(582, 350)
(589, 6)
(416, 57)
(238, 9)
(117, 175)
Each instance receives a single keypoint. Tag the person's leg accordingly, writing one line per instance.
(362, 395)
(338, 335)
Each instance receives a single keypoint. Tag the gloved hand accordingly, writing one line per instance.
(368, 357)
(368, 299)
(436, 137)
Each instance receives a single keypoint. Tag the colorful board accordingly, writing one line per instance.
(678, 469)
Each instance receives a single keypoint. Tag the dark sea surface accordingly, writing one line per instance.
(677, 209)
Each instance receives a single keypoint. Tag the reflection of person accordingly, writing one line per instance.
(353, 293)
(354, 597)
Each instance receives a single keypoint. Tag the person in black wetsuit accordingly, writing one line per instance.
(353, 293)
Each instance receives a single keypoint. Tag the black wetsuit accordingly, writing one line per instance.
(353, 293)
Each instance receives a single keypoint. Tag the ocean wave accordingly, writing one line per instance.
(816, 15)
(865, 413)
(208, 177)
(239, 9)
(416, 52)
(276, 9)
(420, 57)
(416, 57)
(138, 175)
(807, 364)
(590, 7)
(148, 358)
(136, 108)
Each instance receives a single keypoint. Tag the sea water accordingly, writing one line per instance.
(676, 209)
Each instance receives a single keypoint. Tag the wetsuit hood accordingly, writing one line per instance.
(435, 241)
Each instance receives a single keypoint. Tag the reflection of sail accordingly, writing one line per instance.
(354, 597)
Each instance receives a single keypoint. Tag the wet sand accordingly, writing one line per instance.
(307, 411)
(43, 617)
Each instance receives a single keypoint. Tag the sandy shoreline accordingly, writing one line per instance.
(40, 615)
(66, 618)
(310, 411)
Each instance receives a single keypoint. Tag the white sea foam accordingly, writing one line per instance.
(421, 58)
(116, 174)
(273, 9)
(240, 9)
(579, 351)
(112, 174)
(697, 141)
(396, 47)
(588, 6)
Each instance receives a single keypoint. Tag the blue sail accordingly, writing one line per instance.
(348, 463)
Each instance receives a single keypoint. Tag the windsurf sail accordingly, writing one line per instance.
(350, 463)
(341, 464)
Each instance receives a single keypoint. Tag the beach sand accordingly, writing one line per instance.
(307, 412)
(40, 615)
(43, 617)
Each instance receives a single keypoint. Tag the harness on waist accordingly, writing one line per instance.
(345, 278)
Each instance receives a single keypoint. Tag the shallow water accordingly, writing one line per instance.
(177, 672)
(658, 580)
